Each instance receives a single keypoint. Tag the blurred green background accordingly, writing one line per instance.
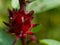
(47, 13)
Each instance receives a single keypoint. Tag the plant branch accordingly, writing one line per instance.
(23, 41)
(14, 42)
(22, 4)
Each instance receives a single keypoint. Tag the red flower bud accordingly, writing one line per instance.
(20, 21)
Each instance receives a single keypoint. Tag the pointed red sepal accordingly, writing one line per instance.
(7, 24)
(30, 14)
(29, 33)
(34, 25)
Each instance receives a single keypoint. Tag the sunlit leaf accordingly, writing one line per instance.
(15, 4)
(49, 42)
(43, 5)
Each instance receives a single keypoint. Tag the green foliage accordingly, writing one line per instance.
(15, 4)
(36, 29)
(43, 5)
(49, 42)
(5, 38)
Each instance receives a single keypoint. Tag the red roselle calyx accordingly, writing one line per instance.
(20, 22)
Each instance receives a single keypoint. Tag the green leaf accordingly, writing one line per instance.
(36, 29)
(1, 23)
(15, 4)
(49, 42)
(5, 38)
(43, 5)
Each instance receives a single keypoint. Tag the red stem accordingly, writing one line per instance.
(22, 5)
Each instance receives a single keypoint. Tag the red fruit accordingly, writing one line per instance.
(20, 21)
